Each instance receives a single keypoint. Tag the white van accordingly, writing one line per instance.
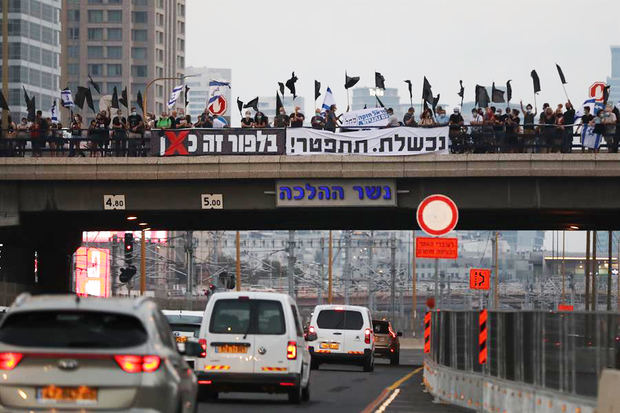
(253, 342)
(341, 334)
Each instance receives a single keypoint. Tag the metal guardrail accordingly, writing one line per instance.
(557, 351)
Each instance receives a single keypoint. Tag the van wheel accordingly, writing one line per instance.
(305, 393)
(369, 364)
(395, 359)
(294, 395)
(205, 395)
(314, 365)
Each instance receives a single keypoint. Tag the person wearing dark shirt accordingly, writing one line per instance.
(331, 121)
(173, 120)
(512, 131)
(297, 118)
(455, 121)
(409, 118)
(247, 121)
(317, 121)
(135, 126)
(569, 119)
(281, 120)
(260, 120)
(617, 138)
(119, 136)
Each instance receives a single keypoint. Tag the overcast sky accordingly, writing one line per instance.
(478, 41)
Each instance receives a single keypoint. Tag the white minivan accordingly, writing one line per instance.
(253, 342)
(341, 334)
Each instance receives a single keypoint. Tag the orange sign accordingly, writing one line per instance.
(437, 248)
(565, 307)
(479, 279)
(92, 272)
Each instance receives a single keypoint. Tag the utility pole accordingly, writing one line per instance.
(564, 266)
(329, 270)
(238, 263)
(414, 287)
(609, 282)
(142, 262)
(371, 274)
(347, 266)
(114, 269)
(594, 301)
(291, 263)
(587, 272)
(189, 254)
(393, 276)
(322, 273)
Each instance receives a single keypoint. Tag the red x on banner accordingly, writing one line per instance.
(177, 141)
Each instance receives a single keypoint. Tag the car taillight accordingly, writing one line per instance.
(367, 333)
(203, 345)
(8, 361)
(138, 364)
(291, 350)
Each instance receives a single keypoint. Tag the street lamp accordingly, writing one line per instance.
(148, 85)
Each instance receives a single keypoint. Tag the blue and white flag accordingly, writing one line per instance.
(219, 122)
(217, 104)
(66, 98)
(54, 112)
(328, 101)
(589, 139)
(174, 96)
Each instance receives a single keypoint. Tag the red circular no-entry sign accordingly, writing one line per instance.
(437, 215)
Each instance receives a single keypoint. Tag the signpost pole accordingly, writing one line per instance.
(414, 287)
(609, 282)
(392, 276)
(238, 264)
(329, 270)
(564, 266)
(142, 264)
(496, 280)
(436, 292)
(587, 272)
(594, 299)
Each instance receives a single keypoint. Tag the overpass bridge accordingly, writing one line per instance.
(45, 203)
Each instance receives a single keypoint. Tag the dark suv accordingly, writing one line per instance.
(387, 344)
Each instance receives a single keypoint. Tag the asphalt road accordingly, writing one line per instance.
(338, 388)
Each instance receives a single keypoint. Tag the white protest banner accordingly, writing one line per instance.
(365, 117)
(377, 142)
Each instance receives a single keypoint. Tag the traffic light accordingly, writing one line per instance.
(127, 274)
(128, 248)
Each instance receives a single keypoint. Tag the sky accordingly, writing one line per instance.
(478, 41)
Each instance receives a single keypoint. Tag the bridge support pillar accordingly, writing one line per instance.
(54, 260)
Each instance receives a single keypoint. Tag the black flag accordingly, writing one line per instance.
(123, 99)
(410, 87)
(562, 78)
(279, 104)
(290, 85)
(89, 100)
(317, 89)
(94, 84)
(482, 97)
(606, 94)
(379, 81)
(536, 81)
(427, 93)
(140, 101)
(281, 86)
(497, 96)
(349, 82)
(3, 104)
(252, 104)
(30, 105)
(462, 90)
(239, 105)
(186, 95)
(508, 91)
(80, 95)
(115, 99)
(435, 102)
(379, 101)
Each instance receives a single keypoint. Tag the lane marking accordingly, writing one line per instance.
(386, 392)
(386, 403)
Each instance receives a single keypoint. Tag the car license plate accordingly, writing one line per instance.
(58, 394)
(331, 346)
(181, 339)
(231, 348)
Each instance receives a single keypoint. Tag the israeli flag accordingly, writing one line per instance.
(67, 98)
(328, 101)
(589, 139)
(174, 96)
(54, 112)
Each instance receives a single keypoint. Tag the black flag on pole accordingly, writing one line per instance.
(410, 87)
(279, 104)
(89, 100)
(186, 95)
(3, 103)
(281, 86)
(482, 97)
(508, 91)
(536, 81)
(140, 100)
(317, 89)
(290, 85)
(379, 101)
(239, 105)
(123, 100)
(435, 102)
(379, 81)
(497, 96)
(561, 73)
(115, 99)
(461, 90)
(349, 82)
(252, 104)
(94, 84)
(80, 96)
(427, 93)
(30, 105)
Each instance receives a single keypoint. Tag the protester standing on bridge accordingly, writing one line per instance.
(617, 137)
(260, 120)
(297, 118)
(247, 121)
(331, 121)
(317, 121)
(281, 120)
(441, 118)
(392, 120)
(135, 133)
(204, 120)
(409, 118)
(427, 118)
(569, 121)
(164, 122)
(609, 120)
(119, 135)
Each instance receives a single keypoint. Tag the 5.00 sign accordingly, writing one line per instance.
(212, 201)
(111, 202)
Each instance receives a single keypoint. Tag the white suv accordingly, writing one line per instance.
(253, 342)
(341, 334)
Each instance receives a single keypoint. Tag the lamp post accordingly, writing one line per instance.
(148, 85)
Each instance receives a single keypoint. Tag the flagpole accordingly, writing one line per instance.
(566, 93)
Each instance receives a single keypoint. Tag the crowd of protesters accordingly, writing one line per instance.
(489, 130)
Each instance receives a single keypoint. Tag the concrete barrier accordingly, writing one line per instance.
(609, 392)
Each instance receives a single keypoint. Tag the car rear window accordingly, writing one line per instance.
(234, 316)
(340, 320)
(191, 329)
(381, 327)
(183, 319)
(72, 329)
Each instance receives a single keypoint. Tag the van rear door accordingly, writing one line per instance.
(337, 328)
(270, 337)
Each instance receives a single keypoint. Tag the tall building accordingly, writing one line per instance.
(124, 43)
(34, 50)
(614, 79)
(198, 81)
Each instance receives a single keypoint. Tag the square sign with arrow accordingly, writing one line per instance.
(479, 279)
